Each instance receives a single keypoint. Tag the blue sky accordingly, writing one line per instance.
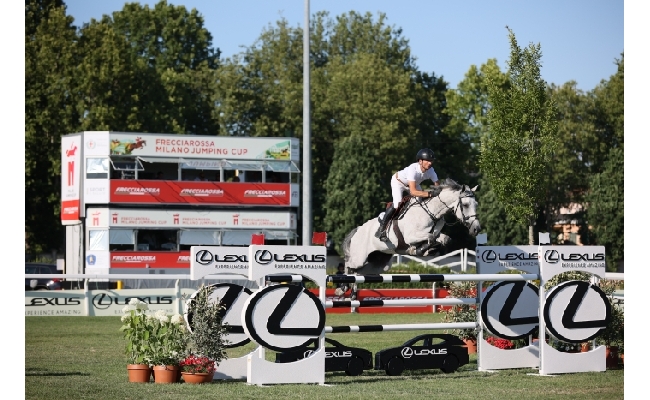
(580, 39)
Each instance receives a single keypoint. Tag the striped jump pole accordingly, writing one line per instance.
(409, 278)
(406, 302)
(400, 327)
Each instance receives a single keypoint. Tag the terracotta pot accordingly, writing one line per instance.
(197, 378)
(166, 373)
(139, 373)
(611, 357)
(584, 347)
(471, 345)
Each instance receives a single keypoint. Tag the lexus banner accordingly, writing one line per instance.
(193, 192)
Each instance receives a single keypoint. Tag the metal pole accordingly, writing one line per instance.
(306, 136)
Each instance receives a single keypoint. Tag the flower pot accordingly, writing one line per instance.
(584, 347)
(471, 345)
(139, 373)
(197, 378)
(166, 373)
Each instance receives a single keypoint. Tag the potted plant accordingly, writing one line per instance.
(208, 332)
(136, 333)
(168, 344)
(197, 369)
(613, 334)
(463, 312)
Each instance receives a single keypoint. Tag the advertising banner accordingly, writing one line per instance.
(228, 219)
(70, 179)
(102, 303)
(150, 259)
(207, 147)
(208, 193)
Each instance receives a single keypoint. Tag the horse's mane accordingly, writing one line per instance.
(448, 184)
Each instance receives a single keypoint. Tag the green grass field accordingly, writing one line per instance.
(82, 358)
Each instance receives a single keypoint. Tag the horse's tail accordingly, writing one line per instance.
(346, 244)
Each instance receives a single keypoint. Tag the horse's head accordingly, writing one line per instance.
(467, 209)
(462, 200)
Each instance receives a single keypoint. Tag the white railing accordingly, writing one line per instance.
(463, 263)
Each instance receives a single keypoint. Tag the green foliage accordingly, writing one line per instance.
(468, 105)
(500, 230)
(351, 197)
(605, 210)
(136, 332)
(517, 149)
(463, 312)
(50, 57)
(208, 336)
(168, 338)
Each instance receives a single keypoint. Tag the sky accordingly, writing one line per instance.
(580, 39)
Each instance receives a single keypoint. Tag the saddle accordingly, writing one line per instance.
(399, 212)
(400, 207)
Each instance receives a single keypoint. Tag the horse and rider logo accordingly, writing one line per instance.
(126, 147)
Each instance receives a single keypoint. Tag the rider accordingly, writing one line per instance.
(409, 179)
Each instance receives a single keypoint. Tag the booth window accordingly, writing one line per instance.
(98, 240)
(157, 240)
(97, 168)
(122, 239)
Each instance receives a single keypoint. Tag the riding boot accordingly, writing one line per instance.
(381, 231)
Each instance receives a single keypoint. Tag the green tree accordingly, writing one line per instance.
(363, 82)
(352, 197)
(605, 208)
(467, 107)
(500, 230)
(517, 149)
(149, 70)
(50, 56)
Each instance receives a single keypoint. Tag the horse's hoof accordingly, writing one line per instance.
(339, 292)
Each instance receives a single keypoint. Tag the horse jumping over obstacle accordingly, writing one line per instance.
(414, 230)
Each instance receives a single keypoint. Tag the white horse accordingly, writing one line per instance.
(415, 229)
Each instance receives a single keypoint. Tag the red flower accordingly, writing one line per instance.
(500, 343)
(197, 364)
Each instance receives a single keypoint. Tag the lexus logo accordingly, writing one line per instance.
(576, 311)
(552, 256)
(284, 317)
(102, 301)
(407, 352)
(263, 257)
(204, 257)
(489, 256)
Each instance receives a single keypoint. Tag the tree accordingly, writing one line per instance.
(518, 147)
(149, 70)
(50, 56)
(605, 207)
(363, 82)
(467, 107)
(352, 197)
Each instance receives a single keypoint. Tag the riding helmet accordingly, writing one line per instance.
(425, 154)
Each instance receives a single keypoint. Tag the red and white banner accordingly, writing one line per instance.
(150, 259)
(70, 176)
(160, 218)
(192, 192)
